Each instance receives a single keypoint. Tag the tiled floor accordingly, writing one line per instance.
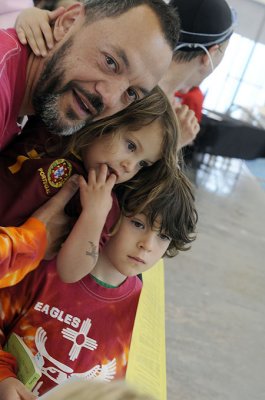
(215, 293)
(257, 168)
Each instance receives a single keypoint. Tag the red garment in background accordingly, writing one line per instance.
(193, 99)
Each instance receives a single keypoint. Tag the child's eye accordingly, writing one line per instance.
(137, 224)
(131, 146)
(143, 164)
(111, 63)
(132, 94)
(164, 237)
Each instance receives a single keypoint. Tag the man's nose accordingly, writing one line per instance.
(112, 93)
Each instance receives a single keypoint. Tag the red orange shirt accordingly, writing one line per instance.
(78, 330)
(21, 250)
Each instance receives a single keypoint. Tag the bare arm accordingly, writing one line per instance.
(13, 389)
(189, 126)
(22, 248)
(52, 215)
(79, 253)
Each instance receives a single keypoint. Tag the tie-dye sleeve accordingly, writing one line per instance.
(14, 296)
(21, 250)
(8, 366)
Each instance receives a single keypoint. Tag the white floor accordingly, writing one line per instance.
(215, 293)
(257, 168)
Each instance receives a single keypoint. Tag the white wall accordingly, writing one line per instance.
(251, 18)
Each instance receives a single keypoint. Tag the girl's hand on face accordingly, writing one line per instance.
(95, 194)
(33, 28)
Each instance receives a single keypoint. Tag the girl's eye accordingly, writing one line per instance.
(131, 146)
(132, 94)
(137, 224)
(164, 237)
(111, 63)
(143, 164)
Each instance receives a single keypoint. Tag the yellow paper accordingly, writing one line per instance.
(147, 359)
(28, 372)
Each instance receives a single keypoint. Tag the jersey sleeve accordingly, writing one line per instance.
(15, 296)
(8, 365)
(21, 250)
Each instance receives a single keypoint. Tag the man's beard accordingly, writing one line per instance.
(49, 90)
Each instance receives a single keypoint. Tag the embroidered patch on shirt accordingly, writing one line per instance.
(58, 172)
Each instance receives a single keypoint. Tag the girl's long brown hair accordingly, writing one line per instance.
(154, 107)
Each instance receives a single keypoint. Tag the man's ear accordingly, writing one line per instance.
(65, 21)
(212, 51)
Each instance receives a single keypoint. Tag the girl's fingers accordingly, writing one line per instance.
(82, 181)
(112, 180)
(102, 173)
(92, 176)
(46, 28)
(47, 34)
(83, 188)
(21, 36)
(55, 13)
(31, 40)
(38, 40)
(101, 176)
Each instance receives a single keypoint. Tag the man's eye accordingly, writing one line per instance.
(111, 63)
(131, 146)
(143, 164)
(132, 94)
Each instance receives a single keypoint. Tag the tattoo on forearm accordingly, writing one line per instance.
(92, 252)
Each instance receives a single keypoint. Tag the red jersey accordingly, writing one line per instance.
(13, 66)
(74, 330)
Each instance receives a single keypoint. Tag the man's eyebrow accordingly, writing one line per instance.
(144, 91)
(121, 53)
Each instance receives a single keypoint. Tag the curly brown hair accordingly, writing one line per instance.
(167, 195)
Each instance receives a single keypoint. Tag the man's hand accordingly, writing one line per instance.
(189, 126)
(13, 389)
(58, 224)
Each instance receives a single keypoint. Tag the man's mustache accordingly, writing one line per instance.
(95, 99)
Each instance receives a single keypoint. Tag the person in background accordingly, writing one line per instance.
(193, 98)
(206, 27)
(86, 332)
